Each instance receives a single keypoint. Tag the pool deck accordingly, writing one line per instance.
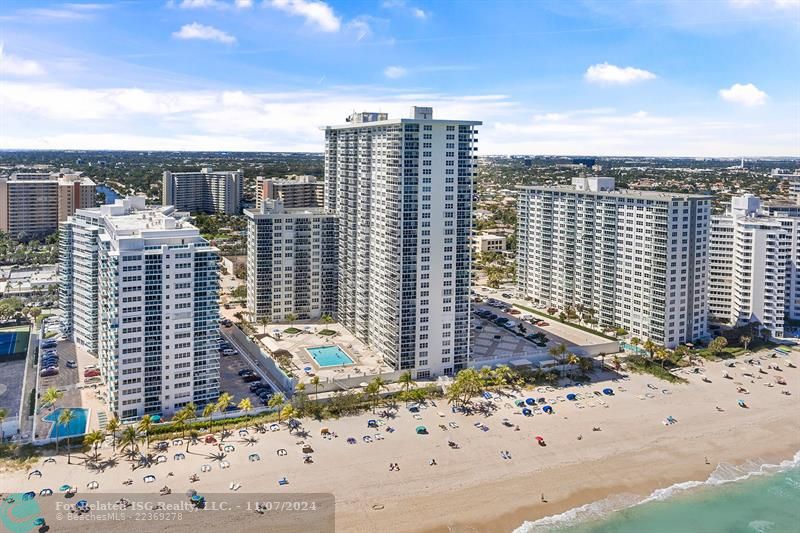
(319, 366)
(365, 362)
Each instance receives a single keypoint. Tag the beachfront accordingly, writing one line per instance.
(493, 480)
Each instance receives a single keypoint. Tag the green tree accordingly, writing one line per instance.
(145, 426)
(717, 345)
(327, 319)
(264, 321)
(129, 439)
(65, 418)
(315, 382)
(291, 318)
(276, 401)
(650, 348)
(745, 340)
(93, 440)
(239, 293)
(51, 396)
(407, 382)
(112, 426)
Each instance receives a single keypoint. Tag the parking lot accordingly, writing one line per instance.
(232, 383)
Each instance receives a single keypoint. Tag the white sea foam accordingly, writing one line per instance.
(761, 526)
(723, 474)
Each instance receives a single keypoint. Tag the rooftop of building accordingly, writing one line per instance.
(292, 179)
(64, 176)
(205, 171)
(418, 114)
(605, 186)
(275, 207)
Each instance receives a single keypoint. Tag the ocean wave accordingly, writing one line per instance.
(723, 474)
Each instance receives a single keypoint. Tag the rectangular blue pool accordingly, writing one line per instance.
(330, 356)
(73, 429)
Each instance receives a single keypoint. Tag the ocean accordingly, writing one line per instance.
(752, 498)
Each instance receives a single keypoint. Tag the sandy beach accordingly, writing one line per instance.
(474, 488)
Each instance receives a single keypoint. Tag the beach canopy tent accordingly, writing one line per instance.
(526, 412)
(519, 403)
(421, 430)
(64, 488)
(324, 431)
(547, 409)
(39, 521)
(29, 495)
(571, 397)
(372, 423)
(608, 392)
(46, 492)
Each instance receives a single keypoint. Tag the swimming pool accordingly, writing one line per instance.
(74, 428)
(329, 356)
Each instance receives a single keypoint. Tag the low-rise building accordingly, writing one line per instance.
(486, 242)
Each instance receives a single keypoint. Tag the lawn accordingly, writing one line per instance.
(328, 332)
(291, 331)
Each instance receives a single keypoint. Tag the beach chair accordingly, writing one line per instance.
(283, 481)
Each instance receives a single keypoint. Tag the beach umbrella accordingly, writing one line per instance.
(421, 430)
(39, 521)
(541, 400)
(29, 495)
(547, 409)
(82, 503)
(519, 403)
(571, 397)
(64, 488)
(526, 412)
(155, 419)
(530, 401)
(539, 438)
(608, 392)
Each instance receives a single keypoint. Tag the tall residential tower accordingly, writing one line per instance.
(206, 191)
(402, 193)
(637, 258)
(141, 291)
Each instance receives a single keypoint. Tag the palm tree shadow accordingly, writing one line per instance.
(219, 456)
(249, 441)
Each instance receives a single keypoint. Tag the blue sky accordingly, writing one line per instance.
(605, 77)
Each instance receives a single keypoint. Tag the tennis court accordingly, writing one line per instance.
(14, 340)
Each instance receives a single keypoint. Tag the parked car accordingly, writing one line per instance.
(48, 372)
(72, 364)
(250, 378)
(225, 322)
(245, 371)
(49, 344)
(255, 386)
(228, 351)
(507, 295)
(90, 373)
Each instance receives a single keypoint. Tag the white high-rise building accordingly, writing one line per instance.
(141, 288)
(207, 191)
(402, 192)
(753, 277)
(291, 262)
(637, 258)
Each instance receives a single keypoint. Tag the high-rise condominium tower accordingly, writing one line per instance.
(638, 259)
(402, 193)
(291, 262)
(32, 204)
(753, 266)
(295, 191)
(140, 289)
(207, 191)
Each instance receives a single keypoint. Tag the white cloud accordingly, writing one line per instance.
(361, 27)
(316, 13)
(747, 95)
(779, 4)
(394, 72)
(203, 32)
(202, 4)
(604, 73)
(244, 4)
(47, 115)
(12, 65)
(419, 13)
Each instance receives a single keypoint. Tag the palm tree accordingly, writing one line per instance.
(179, 422)
(745, 340)
(129, 438)
(679, 354)
(617, 362)
(407, 382)
(112, 426)
(315, 382)
(662, 355)
(94, 439)
(223, 402)
(573, 359)
(276, 401)
(193, 435)
(300, 391)
(291, 317)
(208, 412)
(327, 319)
(144, 426)
(379, 382)
(51, 396)
(371, 392)
(65, 417)
(3, 415)
(287, 412)
(245, 405)
(635, 342)
(264, 321)
(650, 347)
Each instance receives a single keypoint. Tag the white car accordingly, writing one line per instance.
(228, 351)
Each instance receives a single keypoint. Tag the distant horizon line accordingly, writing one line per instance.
(622, 156)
